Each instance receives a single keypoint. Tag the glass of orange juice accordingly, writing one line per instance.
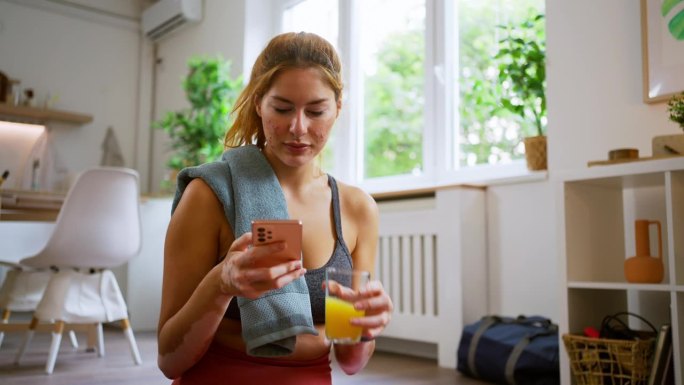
(341, 290)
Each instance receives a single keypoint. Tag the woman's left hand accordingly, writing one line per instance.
(378, 307)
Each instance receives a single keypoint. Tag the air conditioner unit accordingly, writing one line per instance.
(167, 16)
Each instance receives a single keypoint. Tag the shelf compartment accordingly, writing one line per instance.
(590, 306)
(599, 219)
(675, 184)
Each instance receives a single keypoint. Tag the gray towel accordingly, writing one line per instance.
(248, 189)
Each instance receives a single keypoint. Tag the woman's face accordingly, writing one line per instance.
(297, 114)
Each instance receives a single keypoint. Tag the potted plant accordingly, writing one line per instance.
(675, 107)
(196, 132)
(522, 73)
(672, 145)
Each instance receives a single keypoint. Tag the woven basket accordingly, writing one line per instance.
(600, 361)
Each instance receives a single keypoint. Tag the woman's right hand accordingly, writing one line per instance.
(250, 271)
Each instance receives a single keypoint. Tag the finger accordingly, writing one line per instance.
(267, 276)
(373, 321)
(346, 293)
(378, 303)
(288, 278)
(257, 288)
(282, 269)
(242, 243)
(373, 288)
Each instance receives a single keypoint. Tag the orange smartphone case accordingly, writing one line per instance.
(288, 230)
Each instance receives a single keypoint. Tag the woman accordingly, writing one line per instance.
(288, 110)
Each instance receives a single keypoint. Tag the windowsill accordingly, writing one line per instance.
(395, 188)
(529, 177)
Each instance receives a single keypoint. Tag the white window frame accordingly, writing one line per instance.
(441, 109)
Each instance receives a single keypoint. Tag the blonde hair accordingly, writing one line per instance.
(285, 51)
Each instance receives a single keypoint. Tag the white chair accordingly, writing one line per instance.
(98, 228)
(23, 285)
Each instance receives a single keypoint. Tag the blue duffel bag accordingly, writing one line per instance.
(512, 351)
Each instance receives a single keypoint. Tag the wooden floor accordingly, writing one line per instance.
(77, 367)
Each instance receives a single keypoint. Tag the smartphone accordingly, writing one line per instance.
(274, 230)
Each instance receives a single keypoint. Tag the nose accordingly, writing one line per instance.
(299, 126)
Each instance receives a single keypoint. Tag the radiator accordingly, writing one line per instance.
(431, 260)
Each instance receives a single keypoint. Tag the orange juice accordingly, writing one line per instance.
(337, 316)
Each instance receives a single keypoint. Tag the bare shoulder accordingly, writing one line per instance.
(358, 202)
(198, 194)
(200, 201)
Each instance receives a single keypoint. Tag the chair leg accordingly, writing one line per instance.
(27, 340)
(128, 332)
(5, 319)
(100, 340)
(92, 338)
(54, 346)
(73, 339)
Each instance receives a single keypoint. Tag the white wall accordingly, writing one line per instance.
(595, 83)
(595, 104)
(89, 61)
(221, 31)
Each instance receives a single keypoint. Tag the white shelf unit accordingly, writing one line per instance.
(596, 212)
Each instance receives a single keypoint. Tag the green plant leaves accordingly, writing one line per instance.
(675, 108)
(522, 71)
(196, 133)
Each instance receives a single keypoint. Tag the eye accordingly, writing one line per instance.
(315, 113)
(282, 110)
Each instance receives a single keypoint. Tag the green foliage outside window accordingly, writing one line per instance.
(394, 104)
(490, 133)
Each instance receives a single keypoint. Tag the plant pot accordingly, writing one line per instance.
(668, 145)
(535, 152)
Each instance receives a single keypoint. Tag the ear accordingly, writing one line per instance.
(339, 107)
(257, 104)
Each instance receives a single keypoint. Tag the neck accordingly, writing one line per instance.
(294, 178)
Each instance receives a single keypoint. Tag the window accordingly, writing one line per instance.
(392, 62)
(422, 95)
(485, 132)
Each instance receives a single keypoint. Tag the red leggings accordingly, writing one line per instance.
(222, 366)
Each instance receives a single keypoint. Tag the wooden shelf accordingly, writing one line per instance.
(23, 114)
(597, 209)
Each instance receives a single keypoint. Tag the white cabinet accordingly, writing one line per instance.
(597, 208)
(432, 260)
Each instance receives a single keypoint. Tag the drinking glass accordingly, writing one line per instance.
(341, 290)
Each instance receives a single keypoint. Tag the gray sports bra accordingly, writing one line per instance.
(341, 258)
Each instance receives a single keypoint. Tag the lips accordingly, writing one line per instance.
(296, 146)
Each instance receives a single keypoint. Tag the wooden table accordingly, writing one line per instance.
(24, 205)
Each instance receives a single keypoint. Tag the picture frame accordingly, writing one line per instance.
(662, 370)
(662, 51)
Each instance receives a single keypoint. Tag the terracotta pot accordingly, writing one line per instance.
(535, 152)
(644, 268)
